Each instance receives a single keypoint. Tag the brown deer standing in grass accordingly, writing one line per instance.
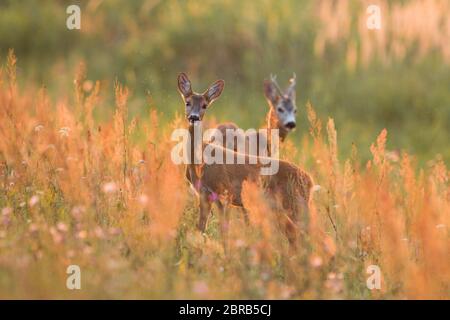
(281, 115)
(222, 183)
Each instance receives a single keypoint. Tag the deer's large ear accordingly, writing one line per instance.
(271, 92)
(214, 90)
(290, 92)
(184, 85)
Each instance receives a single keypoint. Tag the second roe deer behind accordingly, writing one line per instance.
(281, 116)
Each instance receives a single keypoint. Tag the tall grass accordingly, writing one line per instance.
(78, 191)
(409, 30)
(395, 78)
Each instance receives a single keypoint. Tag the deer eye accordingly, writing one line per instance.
(188, 104)
(280, 110)
(204, 106)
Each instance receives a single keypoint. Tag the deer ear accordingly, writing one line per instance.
(184, 85)
(290, 92)
(214, 90)
(270, 91)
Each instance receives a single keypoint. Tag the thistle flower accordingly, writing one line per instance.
(6, 211)
(200, 287)
(109, 187)
(33, 201)
(143, 199)
(316, 261)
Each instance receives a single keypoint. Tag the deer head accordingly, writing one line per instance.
(196, 104)
(282, 103)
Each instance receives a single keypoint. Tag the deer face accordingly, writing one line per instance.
(282, 103)
(196, 104)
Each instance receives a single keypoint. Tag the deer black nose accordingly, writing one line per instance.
(290, 125)
(193, 117)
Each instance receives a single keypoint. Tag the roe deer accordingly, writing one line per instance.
(222, 183)
(281, 116)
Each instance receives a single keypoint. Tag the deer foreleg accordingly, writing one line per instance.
(224, 218)
(205, 210)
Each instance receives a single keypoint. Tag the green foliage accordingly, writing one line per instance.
(144, 44)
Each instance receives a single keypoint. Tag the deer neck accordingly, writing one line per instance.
(193, 168)
(272, 123)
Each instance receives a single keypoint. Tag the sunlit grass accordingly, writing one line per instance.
(75, 191)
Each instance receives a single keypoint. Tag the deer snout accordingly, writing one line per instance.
(193, 118)
(290, 125)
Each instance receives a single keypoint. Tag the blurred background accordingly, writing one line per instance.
(396, 78)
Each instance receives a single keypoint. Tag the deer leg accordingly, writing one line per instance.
(297, 224)
(224, 219)
(245, 214)
(205, 210)
(291, 230)
(305, 216)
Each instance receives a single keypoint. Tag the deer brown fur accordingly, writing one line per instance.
(222, 183)
(281, 116)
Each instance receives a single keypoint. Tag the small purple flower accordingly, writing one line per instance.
(213, 197)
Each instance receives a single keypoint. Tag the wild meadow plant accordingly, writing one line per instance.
(106, 196)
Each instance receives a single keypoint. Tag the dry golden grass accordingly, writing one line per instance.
(75, 191)
(419, 25)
